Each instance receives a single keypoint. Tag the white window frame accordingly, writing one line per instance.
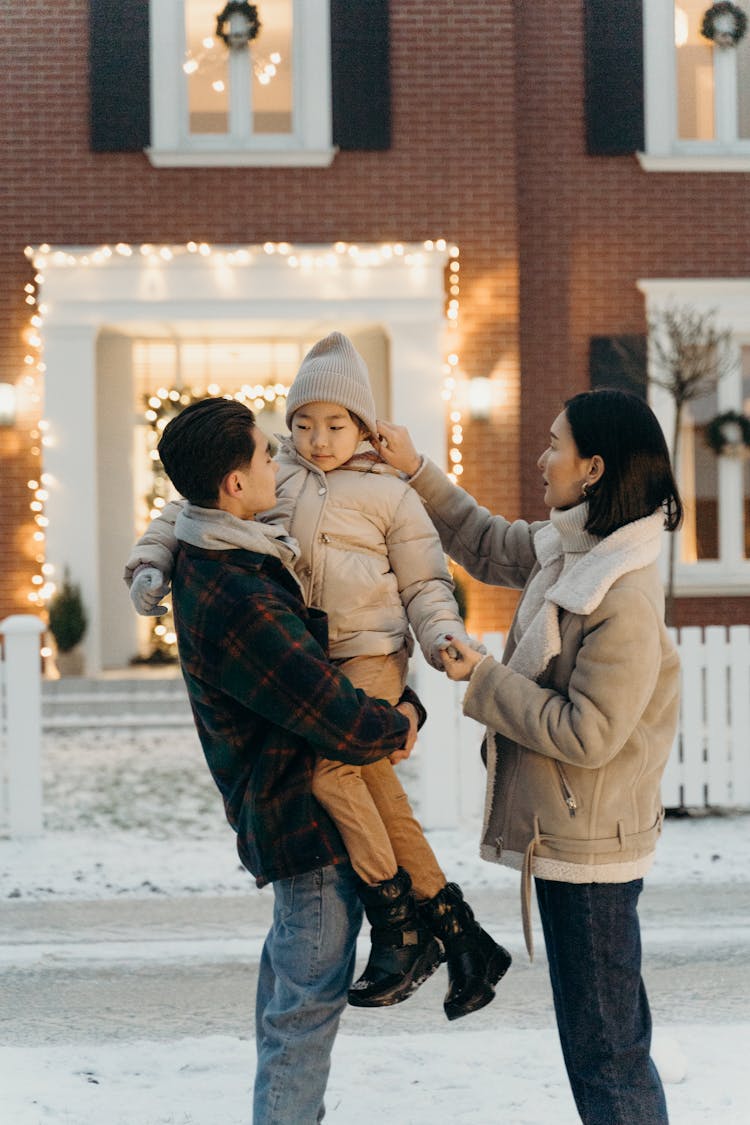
(310, 142)
(664, 151)
(730, 300)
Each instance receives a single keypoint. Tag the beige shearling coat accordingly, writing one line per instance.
(575, 760)
(369, 555)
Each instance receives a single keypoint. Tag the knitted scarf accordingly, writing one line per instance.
(576, 571)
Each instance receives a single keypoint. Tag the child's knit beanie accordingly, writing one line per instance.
(334, 371)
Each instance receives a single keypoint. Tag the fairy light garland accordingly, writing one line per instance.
(304, 258)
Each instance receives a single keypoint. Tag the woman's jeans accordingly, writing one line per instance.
(593, 942)
(306, 969)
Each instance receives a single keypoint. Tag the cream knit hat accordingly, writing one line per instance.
(334, 371)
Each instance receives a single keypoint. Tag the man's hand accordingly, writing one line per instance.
(410, 713)
(146, 591)
(459, 660)
(395, 446)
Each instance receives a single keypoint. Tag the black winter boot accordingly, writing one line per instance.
(404, 953)
(475, 961)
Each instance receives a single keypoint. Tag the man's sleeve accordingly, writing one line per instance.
(273, 665)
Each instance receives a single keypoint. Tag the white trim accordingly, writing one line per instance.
(730, 298)
(401, 290)
(227, 158)
(694, 162)
(310, 143)
(665, 151)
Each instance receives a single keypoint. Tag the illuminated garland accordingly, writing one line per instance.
(306, 259)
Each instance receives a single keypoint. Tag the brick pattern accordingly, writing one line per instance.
(488, 151)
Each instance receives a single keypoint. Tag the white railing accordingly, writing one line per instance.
(20, 727)
(709, 765)
(710, 761)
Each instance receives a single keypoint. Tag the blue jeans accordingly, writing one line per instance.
(306, 969)
(593, 942)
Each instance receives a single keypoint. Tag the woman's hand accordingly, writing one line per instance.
(459, 660)
(395, 446)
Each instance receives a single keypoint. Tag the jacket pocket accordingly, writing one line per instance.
(566, 789)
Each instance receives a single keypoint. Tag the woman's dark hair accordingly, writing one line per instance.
(207, 440)
(623, 429)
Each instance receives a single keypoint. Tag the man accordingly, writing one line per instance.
(266, 704)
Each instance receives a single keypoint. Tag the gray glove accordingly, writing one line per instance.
(147, 590)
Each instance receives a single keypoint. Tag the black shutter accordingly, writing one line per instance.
(614, 76)
(119, 75)
(618, 361)
(360, 74)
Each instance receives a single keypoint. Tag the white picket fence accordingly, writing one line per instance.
(710, 761)
(20, 726)
(709, 765)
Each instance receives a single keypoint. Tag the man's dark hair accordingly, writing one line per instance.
(207, 440)
(623, 429)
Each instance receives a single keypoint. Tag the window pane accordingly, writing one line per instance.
(271, 62)
(746, 463)
(695, 73)
(742, 51)
(206, 67)
(699, 478)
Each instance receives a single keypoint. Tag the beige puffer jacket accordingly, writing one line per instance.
(369, 557)
(574, 761)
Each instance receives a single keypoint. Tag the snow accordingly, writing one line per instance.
(134, 815)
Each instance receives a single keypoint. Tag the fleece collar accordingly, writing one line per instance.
(578, 587)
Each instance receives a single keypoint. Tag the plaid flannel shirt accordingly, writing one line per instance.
(267, 702)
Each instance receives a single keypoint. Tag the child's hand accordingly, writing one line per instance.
(147, 590)
(459, 659)
(447, 643)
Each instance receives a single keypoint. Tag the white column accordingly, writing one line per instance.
(23, 722)
(69, 456)
(417, 382)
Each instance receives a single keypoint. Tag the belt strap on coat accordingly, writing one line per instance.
(608, 844)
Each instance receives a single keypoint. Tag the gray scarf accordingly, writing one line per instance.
(216, 530)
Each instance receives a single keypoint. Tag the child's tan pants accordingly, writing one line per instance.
(368, 803)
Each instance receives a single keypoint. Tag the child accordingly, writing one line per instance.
(370, 557)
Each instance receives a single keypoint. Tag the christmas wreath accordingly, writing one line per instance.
(724, 23)
(728, 432)
(249, 11)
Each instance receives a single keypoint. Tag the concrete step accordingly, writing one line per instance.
(79, 701)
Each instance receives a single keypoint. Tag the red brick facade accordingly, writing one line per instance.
(487, 150)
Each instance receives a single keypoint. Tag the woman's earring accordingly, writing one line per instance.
(585, 490)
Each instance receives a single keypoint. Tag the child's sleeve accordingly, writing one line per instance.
(157, 546)
(424, 583)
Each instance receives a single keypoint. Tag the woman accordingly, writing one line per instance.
(581, 717)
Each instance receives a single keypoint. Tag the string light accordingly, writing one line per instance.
(308, 258)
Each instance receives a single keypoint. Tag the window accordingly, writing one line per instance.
(262, 104)
(714, 541)
(697, 95)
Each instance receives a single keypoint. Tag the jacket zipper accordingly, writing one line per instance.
(567, 792)
(346, 544)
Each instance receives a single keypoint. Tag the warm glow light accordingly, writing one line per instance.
(309, 259)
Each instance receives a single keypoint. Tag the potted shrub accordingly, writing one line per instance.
(67, 624)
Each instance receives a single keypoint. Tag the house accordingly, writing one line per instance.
(485, 196)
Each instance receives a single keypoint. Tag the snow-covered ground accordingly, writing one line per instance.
(134, 815)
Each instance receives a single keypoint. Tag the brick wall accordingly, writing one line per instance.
(450, 172)
(590, 227)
